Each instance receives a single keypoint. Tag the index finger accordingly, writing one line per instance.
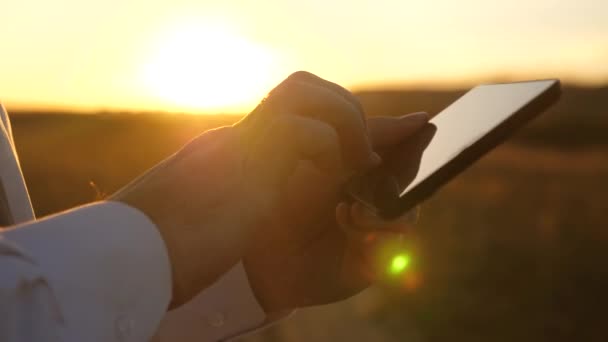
(357, 219)
(387, 131)
(314, 101)
(305, 76)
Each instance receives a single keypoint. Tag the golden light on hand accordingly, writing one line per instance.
(203, 66)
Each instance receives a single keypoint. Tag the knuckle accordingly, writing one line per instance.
(279, 123)
(351, 120)
(329, 134)
(346, 112)
(301, 76)
(357, 103)
(330, 141)
(286, 89)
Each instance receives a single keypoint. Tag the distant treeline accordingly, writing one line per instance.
(579, 119)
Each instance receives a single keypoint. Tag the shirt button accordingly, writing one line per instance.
(123, 327)
(216, 320)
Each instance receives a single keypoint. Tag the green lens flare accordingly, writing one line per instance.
(399, 264)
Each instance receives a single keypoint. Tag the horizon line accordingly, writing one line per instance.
(20, 107)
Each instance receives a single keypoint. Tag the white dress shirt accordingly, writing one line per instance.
(100, 273)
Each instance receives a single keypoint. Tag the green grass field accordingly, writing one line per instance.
(516, 248)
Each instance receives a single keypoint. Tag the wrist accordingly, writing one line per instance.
(169, 244)
(190, 197)
(268, 292)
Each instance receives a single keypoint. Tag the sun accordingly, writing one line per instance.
(198, 65)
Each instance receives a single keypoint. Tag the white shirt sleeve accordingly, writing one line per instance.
(101, 273)
(96, 273)
(226, 309)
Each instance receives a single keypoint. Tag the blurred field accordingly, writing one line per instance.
(514, 249)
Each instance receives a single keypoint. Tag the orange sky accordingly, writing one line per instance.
(204, 56)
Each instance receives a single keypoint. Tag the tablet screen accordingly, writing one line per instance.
(476, 115)
(470, 118)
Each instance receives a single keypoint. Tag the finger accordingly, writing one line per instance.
(309, 100)
(305, 76)
(366, 229)
(292, 138)
(356, 236)
(362, 219)
(386, 131)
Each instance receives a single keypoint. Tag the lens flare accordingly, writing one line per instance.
(399, 264)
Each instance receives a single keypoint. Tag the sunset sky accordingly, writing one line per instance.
(223, 56)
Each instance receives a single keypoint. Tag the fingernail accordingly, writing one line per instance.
(419, 116)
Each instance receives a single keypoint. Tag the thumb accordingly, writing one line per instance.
(386, 131)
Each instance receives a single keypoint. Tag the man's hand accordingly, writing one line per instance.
(213, 197)
(318, 249)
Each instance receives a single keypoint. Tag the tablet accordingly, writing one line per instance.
(452, 141)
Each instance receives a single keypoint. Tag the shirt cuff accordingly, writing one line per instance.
(225, 310)
(108, 267)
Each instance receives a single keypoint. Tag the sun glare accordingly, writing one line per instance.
(198, 65)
